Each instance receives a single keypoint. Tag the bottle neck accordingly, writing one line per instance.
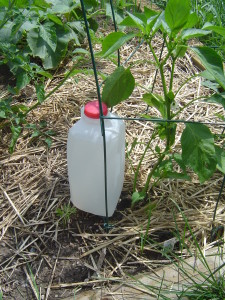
(90, 120)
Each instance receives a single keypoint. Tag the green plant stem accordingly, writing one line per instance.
(147, 230)
(46, 97)
(186, 105)
(160, 66)
(154, 54)
(96, 13)
(160, 159)
(163, 80)
(167, 100)
(185, 82)
(6, 19)
(140, 161)
(75, 14)
(172, 74)
(50, 93)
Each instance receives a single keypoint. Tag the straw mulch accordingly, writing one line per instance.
(39, 255)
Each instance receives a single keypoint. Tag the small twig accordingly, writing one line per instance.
(73, 284)
(103, 245)
(13, 206)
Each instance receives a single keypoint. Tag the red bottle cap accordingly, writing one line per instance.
(91, 109)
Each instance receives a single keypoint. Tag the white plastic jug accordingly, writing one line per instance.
(85, 159)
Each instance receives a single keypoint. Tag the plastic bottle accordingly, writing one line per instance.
(85, 159)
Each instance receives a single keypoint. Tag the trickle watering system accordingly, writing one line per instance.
(85, 156)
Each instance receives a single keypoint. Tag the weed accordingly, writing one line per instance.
(198, 278)
(65, 213)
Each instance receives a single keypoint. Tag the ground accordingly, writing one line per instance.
(42, 256)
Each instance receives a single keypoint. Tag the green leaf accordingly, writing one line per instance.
(89, 4)
(42, 40)
(118, 86)
(136, 197)
(40, 91)
(23, 107)
(4, 3)
(164, 167)
(192, 20)
(217, 29)
(212, 85)
(41, 4)
(178, 159)
(212, 62)
(136, 20)
(150, 13)
(48, 141)
(16, 131)
(150, 24)
(129, 22)
(160, 23)
(31, 126)
(220, 154)
(45, 74)
(81, 51)
(165, 130)
(55, 19)
(205, 74)
(151, 17)
(180, 51)
(118, 16)
(22, 79)
(217, 98)
(157, 149)
(193, 33)
(156, 101)
(50, 132)
(114, 41)
(198, 150)
(36, 133)
(78, 27)
(93, 24)
(19, 3)
(176, 175)
(177, 13)
(165, 170)
(2, 114)
(221, 117)
(181, 176)
(43, 124)
(62, 7)
(64, 35)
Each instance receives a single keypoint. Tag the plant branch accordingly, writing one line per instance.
(163, 80)
(154, 54)
(140, 161)
(50, 93)
(172, 74)
(160, 159)
(6, 18)
(185, 82)
(189, 103)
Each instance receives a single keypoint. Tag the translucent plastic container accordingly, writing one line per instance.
(85, 159)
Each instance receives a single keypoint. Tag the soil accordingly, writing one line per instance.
(67, 250)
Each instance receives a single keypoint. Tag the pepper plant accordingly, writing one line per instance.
(176, 26)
